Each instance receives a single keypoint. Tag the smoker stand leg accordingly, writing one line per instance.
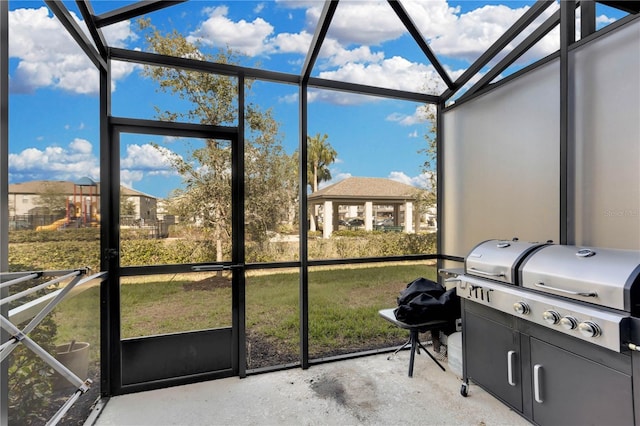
(416, 345)
(427, 352)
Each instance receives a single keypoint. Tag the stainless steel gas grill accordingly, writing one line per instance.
(549, 330)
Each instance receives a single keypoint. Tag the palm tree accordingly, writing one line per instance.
(320, 155)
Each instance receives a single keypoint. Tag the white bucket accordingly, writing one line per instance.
(74, 356)
(454, 353)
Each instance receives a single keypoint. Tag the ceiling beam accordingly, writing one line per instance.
(67, 21)
(89, 19)
(522, 23)
(587, 18)
(155, 59)
(361, 89)
(417, 36)
(316, 44)
(133, 11)
(318, 37)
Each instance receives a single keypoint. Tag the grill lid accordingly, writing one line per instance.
(498, 259)
(605, 277)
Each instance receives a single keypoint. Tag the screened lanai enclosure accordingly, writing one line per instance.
(156, 160)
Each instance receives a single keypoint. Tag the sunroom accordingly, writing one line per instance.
(514, 121)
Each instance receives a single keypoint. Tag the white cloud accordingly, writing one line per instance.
(147, 158)
(603, 20)
(335, 178)
(473, 32)
(448, 31)
(363, 22)
(393, 73)
(81, 146)
(77, 160)
(49, 57)
(420, 181)
(119, 33)
(337, 55)
(419, 116)
(290, 43)
(55, 162)
(121, 70)
(451, 34)
(220, 31)
(128, 177)
(143, 161)
(290, 98)
(355, 50)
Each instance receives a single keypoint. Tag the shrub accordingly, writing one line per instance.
(71, 254)
(53, 255)
(29, 376)
(70, 234)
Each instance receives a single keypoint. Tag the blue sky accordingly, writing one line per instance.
(53, 133)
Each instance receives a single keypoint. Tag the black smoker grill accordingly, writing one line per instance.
(550, 330)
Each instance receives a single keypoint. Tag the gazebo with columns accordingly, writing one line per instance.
(366, 192)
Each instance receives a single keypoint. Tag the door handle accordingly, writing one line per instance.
(536, 383)
(215, 267)
(510, 356)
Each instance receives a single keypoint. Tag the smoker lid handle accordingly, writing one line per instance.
(571, 292)
(488, 274)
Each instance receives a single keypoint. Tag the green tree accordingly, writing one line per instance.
(320, 155)
(426, 197)
(127, 206)
(205, 199)
(52, 199)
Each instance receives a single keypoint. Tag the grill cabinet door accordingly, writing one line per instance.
(488, 347)
(577, 391)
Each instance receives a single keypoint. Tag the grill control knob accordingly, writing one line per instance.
(551, 317)
(589, 329)
(569, 322)
(521, 307)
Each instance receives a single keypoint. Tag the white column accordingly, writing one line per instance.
(327, 219)
(368, 216)
(408, 217)
(336, 216)
(353, 211)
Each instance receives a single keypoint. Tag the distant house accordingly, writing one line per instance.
(50, 200)
(365, 198)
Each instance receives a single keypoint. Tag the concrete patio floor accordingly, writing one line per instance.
(365, 391)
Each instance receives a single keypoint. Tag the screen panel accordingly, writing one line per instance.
(501, 164)
(607, 74)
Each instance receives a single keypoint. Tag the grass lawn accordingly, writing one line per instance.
(343, 309)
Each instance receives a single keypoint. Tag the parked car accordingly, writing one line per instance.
(385, 222)
(355, 222)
